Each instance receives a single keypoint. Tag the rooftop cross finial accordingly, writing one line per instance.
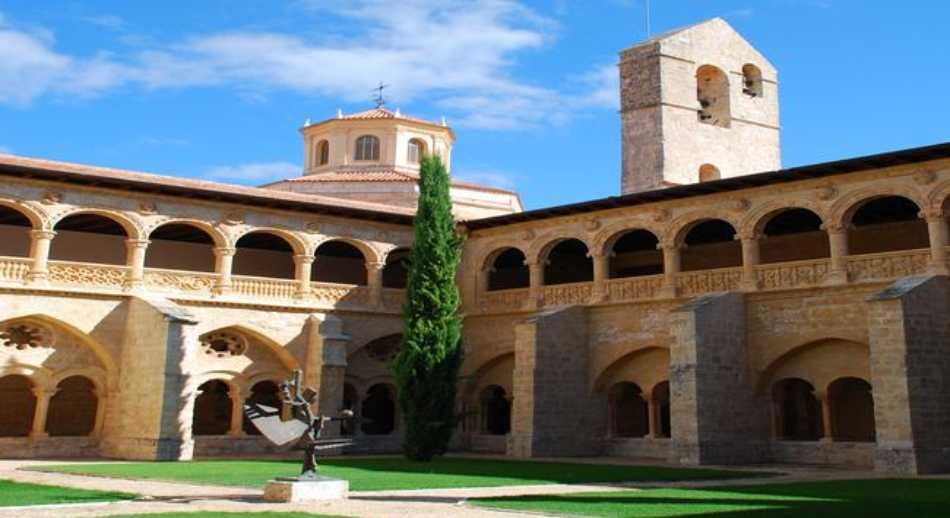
(380, 101)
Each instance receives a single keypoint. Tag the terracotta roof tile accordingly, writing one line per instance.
(382, 175)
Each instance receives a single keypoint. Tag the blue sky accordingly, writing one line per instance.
(217, 89)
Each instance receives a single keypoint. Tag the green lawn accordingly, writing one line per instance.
(857, 498)
(18, 493)
(378, 473)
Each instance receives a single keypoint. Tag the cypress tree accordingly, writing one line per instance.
(427, 367)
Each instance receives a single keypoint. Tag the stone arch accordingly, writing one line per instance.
(133, 228)
(886, 223)
(19, 405)
(284, 357)
(98, 350)
(495, 410)
(370, 253)
(754, 223)
(35, 217)
(339, 261)
(938, 198)
(790, 233)
(378, 407)
(297, 243)
(840, 214)
(16, 226)
(93, 236)
(73, 409)
(213, 407)
(219, 238)
(575, 265)
(633, 252)
(396, 267)
(709, 243)
(183, 250)
(506, 268)
(852, 409)
(677, 230)
(818, 362)
(796, 410)
(653, 368)
(628, 410)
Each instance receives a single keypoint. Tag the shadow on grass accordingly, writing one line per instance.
(878, 498)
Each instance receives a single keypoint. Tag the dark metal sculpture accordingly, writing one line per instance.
(297, 424)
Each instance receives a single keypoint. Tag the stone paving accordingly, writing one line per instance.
(160, 497)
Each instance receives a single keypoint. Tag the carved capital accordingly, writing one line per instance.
(42, 234)
(303, 258)
(224, 251)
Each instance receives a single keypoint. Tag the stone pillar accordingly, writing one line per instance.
(838, 245)
(601, 272)
(102, 397)
(671, 269)
(325, 364)
(223, 261)
(909, 329)
(827, 434)
(651, 416)
(554, 412)
(135, 260)
(43, 397)
(937, 230)
(536, 284)
(750, 259)
(374, 279)
(155, 399)
(303, 264)
(716, 416)
(238, 397)
(40, 241)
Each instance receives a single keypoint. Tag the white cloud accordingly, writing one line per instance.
(488, 177)
(5, 150)
(459, 56)
(258, 172)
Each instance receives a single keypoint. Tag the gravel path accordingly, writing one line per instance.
(170, 497)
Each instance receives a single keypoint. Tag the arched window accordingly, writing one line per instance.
(72, 410)
(798, 412)
(89, 238)
(350, 402)
(661, 402)
(629, 414)
(339, 262)
(496, 411)
(708, 173)
(635, 253)
(396, 271)
(263, 254)
(14, 233)
(568, 261)
(265, 393)
(711, 245)
(508, 271)
(793, 235)
(212, 413)
(416, 150)
(19, 405)
(751, 80)
(887, 224)
(180, 246)
(852, 410)
(322, 153)
(379, 411)
(367, 148)
(712, 93)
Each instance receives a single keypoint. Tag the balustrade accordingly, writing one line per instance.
(634, 288)
(192, 283)
(501, 300)
(690, 284)
(87, 275)
(888, 265)
(566, 294)
(247, 286)
(794, 274)
(14, 268)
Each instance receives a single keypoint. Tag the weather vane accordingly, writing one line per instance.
(380, 101)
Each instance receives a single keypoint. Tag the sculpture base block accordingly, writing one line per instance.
(294, 491)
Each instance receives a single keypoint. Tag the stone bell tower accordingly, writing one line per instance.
(697, 104)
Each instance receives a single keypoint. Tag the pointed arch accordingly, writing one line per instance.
(284, 357)
(99, 351)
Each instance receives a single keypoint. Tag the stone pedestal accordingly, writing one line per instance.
(295, 491)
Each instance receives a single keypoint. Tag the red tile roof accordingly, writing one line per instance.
(382, 175)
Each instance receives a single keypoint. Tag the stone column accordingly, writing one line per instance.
(325, 364)
(536, 284)
(908, 332)
(937, 230)
(238, 397)
(374, 280)
(671, 268)
(303, 264)
(716, 416)
(223, 260)
(651, 416)
(135, 260)
(827, 435)
(601, 266)
(40, 241)
(750, 259)
(838, 245)
(43, 397)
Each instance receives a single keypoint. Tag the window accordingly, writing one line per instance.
(367, 148)
(322, 154)
(751, 80)
(708, 173)
(712, 93)
(417, 148)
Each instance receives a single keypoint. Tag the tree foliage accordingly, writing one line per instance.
(427, 366)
